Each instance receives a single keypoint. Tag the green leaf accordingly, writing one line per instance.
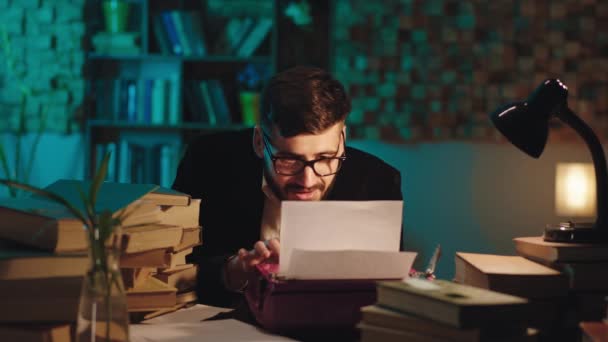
(98, 179)
(106, 225)
(51, 196)
(85, 201)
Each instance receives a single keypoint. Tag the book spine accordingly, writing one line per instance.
(176, 19)
(173, 105)
(220, 105)
(176, 46)
(161, 35)
(255, 37)
(193, 26)
(207, 100)
(158, 102)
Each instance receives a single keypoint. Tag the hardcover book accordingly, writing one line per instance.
(453, 304)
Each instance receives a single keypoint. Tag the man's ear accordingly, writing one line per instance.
(258, 143)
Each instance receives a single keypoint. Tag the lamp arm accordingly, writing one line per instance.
(599, 162)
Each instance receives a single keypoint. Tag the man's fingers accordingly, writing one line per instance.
(261, 250)
(274, 246)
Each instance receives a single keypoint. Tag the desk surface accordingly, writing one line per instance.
(214, 330)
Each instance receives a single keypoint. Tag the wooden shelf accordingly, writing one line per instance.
(124, 125)
(190, 59)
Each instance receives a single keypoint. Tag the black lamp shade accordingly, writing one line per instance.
(526, 124)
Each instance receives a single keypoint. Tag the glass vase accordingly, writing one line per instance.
(102, 313)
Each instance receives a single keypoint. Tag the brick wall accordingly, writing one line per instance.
(434, 69)
(41, 53)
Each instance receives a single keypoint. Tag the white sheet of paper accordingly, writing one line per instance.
(339, 225)
(349, 264)
(217, 331)
(195, 313)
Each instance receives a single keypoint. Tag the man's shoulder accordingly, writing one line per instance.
(224, 140)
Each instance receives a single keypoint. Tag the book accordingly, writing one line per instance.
(582, 276)
(159, 258)
(20, 262)
(510, 274)
(162, 38)
(149, 237)
(152, 294)
(176, 19)
(166, 196)
(169, 27)
(536, 249)
(136, 277)
(255, 37)
(181, 277)
(372, 333)
(41, 223)
(114, 196)
(190, 238)
(184, 216)
(219, 102)
(186, 297)
(36, 332)
(139, 316)
(177, 258)
(377, 316)
(594, 331)
(60, 287)
(453, 304)
(193, 27)
(40, 309)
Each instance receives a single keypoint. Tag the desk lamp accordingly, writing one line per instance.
(526, 125)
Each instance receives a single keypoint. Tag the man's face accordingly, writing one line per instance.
(305, 185)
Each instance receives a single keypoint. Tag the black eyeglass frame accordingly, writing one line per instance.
(305, 163)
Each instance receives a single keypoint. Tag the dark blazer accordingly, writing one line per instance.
(223, 170)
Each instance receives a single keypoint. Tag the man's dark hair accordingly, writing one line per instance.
(303, 100)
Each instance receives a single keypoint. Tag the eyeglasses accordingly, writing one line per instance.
(287, 166)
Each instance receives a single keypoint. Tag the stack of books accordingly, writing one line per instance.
(155, 272)
(422, 310)
(43, 255)
(565, 283)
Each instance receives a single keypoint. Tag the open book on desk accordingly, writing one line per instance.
(342, 240)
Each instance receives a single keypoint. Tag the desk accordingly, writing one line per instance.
(197, 323)
(215, 330)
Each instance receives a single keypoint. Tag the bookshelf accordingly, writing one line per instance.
(170, 74)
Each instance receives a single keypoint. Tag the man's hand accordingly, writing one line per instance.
(263, 251)
(239, 267)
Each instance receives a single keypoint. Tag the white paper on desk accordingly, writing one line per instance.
(194, 313)
(339, 225)
(349, 264)
(216, 331)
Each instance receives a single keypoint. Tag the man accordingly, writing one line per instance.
(298, 152)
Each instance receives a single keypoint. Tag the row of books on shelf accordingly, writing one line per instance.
(180, 33)
(242, 36)
(42, 274)
(131, 162)
(150, 101)
(207, 102)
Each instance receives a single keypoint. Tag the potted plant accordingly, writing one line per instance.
(102, 314)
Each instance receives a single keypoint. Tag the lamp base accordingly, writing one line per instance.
(571, 232)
